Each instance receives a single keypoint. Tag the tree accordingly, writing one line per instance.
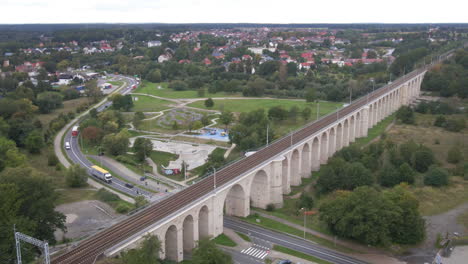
(154, 76)
(93, 113)
(92, 90)
(34, 141)
(226, 118)
(9, 154)
(122, 102)
(76, 176)
(206, 252)
(305, 201)
(422, 159)
(364, 215)
(389, 176)
(137, 119)
(436, 176)
(454, 155)
(406, 115)
(440, 121)
(277, 113)
(311, 95)
(205, 120)
(142, 148)
(36, 202)
(116, 144)
(48, 101)
(306, 112)
(178, 85)
(147, 254)
(92, 134)
(409, 226)
(209, 103)
(406, 173)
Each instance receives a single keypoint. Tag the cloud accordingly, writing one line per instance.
(229, 11)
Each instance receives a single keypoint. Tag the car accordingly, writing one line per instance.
(285, 261)
(67, 145)
(129, 185)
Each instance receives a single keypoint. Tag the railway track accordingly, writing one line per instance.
(92, 248)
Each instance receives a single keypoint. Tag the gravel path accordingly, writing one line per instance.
(437, 224)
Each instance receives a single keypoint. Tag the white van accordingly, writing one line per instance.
(67, 145)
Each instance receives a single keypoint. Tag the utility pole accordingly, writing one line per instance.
(268, 126)
(43, 245)
(318, 109)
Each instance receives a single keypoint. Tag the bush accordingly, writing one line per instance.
(436, 177)
(405, 114)
(455, 125)
(454, 155)
(123, 208)
(270, 207)
(422, 159)
(440, 121)
(52, 159)
(76, 176)
(106, 196)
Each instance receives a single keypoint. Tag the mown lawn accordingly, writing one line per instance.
(152, 88)
(149, 104)
(277, 226)
(299, 254)
(247, 105)
(68, 106)
(224, 240)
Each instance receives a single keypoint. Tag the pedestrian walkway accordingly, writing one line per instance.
(256, 251)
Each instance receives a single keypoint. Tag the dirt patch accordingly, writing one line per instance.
(443, 224)
(84, 218)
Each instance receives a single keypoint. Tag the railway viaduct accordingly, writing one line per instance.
(257, 180)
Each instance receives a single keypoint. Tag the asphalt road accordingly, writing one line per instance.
(284, 240)
(77, 157)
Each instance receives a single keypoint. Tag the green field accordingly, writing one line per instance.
(224, 241)
(247, 105)
(152, 88)
(116, 84)
(149, 104)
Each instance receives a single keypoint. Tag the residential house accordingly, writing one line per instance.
(154, 43)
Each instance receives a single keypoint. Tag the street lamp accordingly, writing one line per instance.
(304, 212)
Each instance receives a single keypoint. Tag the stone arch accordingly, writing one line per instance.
(332, 142)
(260, 190)
(315, 157)
(339, 136)
(171, 243)
(305, 161)
(345, 133)
(188, 234)
(352, 129)
(323, 148)
(237, 202)
(295, 177)
(204, 222)
(285, 176)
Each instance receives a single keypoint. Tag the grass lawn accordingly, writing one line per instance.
(224, 241)
(68, 106)
(244, 236)
(152, 88)
(247, 105)
(434, 201)
(149, 104)
(116, 84)
(299, 254)
(277, 226)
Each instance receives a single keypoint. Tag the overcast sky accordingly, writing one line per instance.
(233, 11)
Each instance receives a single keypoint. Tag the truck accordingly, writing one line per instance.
(101, 174)
(75, 131)
(134, 87)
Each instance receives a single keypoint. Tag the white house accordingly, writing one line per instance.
(154, 43)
